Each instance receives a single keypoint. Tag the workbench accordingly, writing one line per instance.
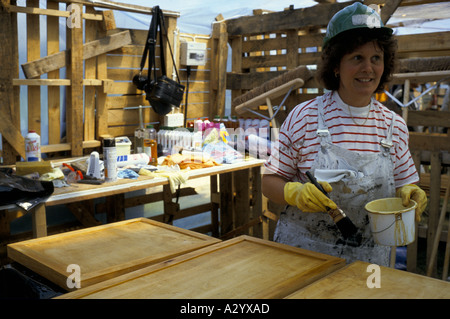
(231, 185)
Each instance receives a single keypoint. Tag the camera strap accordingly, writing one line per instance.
(150, 46)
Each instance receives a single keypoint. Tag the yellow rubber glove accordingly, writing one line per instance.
(415, 193)
(308, 197)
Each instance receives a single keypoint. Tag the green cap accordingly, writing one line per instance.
(354, 16)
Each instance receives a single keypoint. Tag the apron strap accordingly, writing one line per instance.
(322, 129)
(386, 143)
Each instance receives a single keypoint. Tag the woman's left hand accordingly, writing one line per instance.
(415, 193)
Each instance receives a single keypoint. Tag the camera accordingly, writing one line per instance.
(140, 81)
(162, 94)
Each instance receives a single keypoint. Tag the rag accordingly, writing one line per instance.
(175, 178)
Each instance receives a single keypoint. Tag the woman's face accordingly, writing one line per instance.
(360, 72)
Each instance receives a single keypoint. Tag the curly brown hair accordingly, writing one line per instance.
(347, 42)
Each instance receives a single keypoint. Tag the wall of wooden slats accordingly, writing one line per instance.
(72, 108)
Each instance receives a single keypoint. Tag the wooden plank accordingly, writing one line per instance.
(241, 181)
(244, 267)
(429, 142)
(53, 12)
(74, 105)
(226, 203)
(352, 282)
(39, 220)
(52, 148)
(137, 243)
(84, 211)
(122, 6)
(429, 118)
(11, 133)
(427, 42)
(217, 103)
(215, 204)
(33, 53)
(388, 10)
(101, 112)
(284, 20)
(434, 204)
(256, 201)
(91, 49)
(54, 121)
(90, 72)
(120, 102)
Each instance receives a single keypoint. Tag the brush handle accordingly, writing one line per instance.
(314, 181)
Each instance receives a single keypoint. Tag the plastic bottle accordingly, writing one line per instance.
(197, 138)
(139, 134)
(234, 122)
(226, 121)
(242, 123)
(110, 159)
(32, 147)
(151, 145)
(216, 119)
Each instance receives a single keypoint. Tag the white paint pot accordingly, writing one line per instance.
(391, 223)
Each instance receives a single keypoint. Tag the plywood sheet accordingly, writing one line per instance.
(352, 281)
(243, 267)
(106, 251)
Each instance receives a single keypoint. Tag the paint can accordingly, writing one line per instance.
(391, 223)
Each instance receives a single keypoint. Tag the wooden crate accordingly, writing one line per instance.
(351, 282)
(243, 267)
(106, 251)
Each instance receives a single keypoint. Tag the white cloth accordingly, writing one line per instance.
(335, 175)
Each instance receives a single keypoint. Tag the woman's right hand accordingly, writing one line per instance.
(307, 197)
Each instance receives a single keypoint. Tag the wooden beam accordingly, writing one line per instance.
(53, 13)
(121, 6)
(74, 105)
(54, 95)
(11, 135)
(91, 49)
(429, 118)
(33, 52)
(388, 10)
(429, 142)
(317, 16)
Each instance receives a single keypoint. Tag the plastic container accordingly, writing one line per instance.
(132, 159)
(151, 145)
(123, 145)
(391, 223)
(32, 147)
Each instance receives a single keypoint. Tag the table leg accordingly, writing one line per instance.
(39, 221)
(115, 208)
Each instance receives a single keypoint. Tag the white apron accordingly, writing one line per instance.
(360, 178)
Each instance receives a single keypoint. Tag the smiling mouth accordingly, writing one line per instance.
(364, 80)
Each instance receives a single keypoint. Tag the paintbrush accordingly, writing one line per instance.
(345, 225)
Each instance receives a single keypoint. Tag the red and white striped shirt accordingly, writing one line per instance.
(299, 144)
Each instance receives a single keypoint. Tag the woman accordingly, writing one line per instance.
(356, 147)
